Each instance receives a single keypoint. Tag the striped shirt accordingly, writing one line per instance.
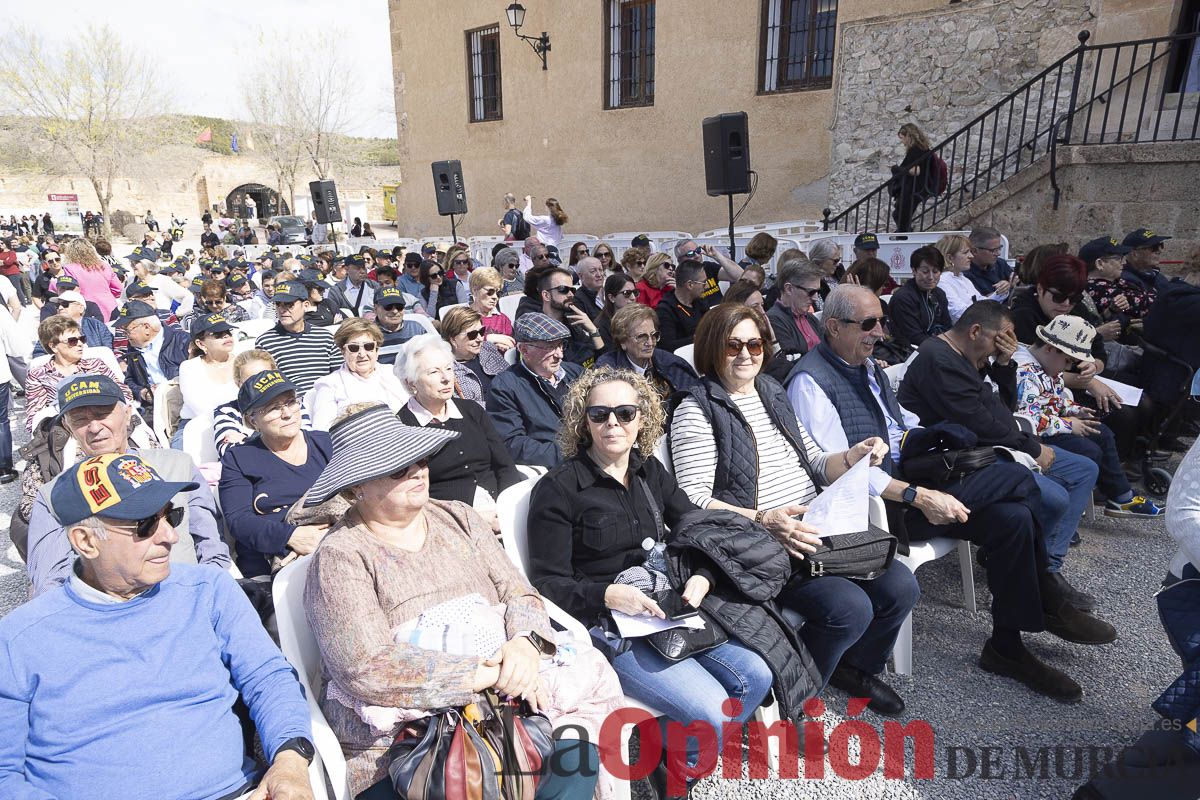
(227, 418)
(782, 480)
(394, 340)
(304, 357)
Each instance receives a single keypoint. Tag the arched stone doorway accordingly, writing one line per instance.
(267, 202)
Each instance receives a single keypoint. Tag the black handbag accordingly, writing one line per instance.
(938, 469)
(677, 644)
(863, 556)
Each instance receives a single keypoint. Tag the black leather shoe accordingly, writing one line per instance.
(1073, 625)
(1042, 678)
(1063, 590)
(857, 683)
(7, 476)
(658, 782)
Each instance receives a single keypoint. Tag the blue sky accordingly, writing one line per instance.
(199, 48)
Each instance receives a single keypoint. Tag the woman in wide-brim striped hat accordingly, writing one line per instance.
(393, 557)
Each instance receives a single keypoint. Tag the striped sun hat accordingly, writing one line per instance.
(358, 456)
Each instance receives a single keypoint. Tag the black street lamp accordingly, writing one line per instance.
(540, 44)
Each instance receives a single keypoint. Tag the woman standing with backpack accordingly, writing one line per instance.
(916, 178)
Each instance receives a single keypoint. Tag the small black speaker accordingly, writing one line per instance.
(325, 202)
(727, 154)
(449, 188)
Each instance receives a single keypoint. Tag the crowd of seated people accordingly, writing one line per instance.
(783, 390)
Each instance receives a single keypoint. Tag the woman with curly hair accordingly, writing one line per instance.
(97, 281)
(596, 544)
(633, 261)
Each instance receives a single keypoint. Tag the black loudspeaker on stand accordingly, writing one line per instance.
(450, 191)
(727, 160)
(325, 205)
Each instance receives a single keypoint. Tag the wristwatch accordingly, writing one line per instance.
(546, 648)
(299, 745)
(909, 496)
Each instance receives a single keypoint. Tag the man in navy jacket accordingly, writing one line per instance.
(154, 353)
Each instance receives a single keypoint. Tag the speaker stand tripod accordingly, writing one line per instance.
(732, 246)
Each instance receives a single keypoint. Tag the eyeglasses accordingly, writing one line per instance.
(641, 262)
(221, 334)
(563, 290)
(630, 294)
(276, 411)
(867, 324)
(394, 307)
(461, 262)
(540, 256)
(669, 267)
(489, 292)
(605, 254)
(647, 338)
(472, 335)
(71, 341)
(599, 415)
(433, 274)
(733, 347)
(993, 250)
(145, 528)
(1059, 297)
(353, 347)
(695, 251)
(810, 292)
(1156, 248)
(220, 302)
(401, 474)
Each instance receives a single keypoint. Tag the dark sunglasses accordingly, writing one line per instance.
(394, 307)
(599, 414)
(605, 254)
(693, 253)
(401, 474)
(733, 347)
(461, 262)
(71, 341)
(221, 334)
(490, 292)
(810, 292)
(631, 294)
(367, 346)
(473, 335)
(433, 275)
(146, 528)
(1059, 297)
(867, 324)
(563, 290)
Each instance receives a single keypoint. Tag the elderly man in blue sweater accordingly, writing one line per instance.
(121, 682)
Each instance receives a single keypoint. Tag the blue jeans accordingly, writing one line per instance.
(852, 621)
(177, 436)
(693, 689)
(1066, 492)
(1102, 448)
(6, 442)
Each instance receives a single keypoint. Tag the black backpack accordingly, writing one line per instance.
(520, 228)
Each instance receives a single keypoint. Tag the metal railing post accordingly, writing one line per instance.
(1080, 52)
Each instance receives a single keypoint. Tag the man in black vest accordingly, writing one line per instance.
(841, 395)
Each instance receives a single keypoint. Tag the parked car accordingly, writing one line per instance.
(292, 228)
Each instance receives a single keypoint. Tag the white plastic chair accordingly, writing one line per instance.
(255, 327)
(688, 354)
(162, 423)
(423, 321)
(510, 355)
(508, 306)
(442, 311)
(106, 355)
(512, 509)
(299, 647)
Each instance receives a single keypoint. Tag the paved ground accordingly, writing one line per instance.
(1120, 562)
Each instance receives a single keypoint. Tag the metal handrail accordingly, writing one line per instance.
(1052, 124)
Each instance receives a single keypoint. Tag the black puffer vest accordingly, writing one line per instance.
(752, 568)
(736, 481)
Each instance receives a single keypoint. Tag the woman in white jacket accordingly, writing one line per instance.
(547, 227)
(359, 380)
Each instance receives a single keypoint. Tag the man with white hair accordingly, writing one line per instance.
(154, 353)
(722, 268)
(93, 410)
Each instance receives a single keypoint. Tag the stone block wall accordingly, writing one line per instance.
(939, 69)
(1106, 190)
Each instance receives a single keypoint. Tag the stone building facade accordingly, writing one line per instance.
(640, 167)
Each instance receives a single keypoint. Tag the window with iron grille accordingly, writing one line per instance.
(629, 69)
(483, 73)
(797, 45)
